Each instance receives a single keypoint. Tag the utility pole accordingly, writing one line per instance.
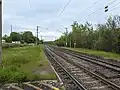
(75, 40)
(66, 36)
(41, 37)
(41, 40)
(11, 33)
(0, 32)
(37, 36)
(70, 40)
(11, 28)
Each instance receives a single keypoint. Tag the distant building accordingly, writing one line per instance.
(3, 41)
(18, 42)
(31, 44)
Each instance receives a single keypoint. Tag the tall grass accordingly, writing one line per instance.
(19, 63)
(107, 55)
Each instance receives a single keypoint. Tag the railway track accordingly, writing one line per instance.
(111, 62)
(107, 71)
(85, 77)
(69, 81)
(95, 65)
(115, 64)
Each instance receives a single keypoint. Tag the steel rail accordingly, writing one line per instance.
(90, 57)
(80, 86)
(98, 62)
(89, 72)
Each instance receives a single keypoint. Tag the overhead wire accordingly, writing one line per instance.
(111, 7)
(16, 27)
(64, 7)
(101, 8)
(115, 5)
(112, 2)
(92, 5)
(114, 8)
(95, 11)
(60, 31)
(30, 3)
(57, 15)
(62, 10)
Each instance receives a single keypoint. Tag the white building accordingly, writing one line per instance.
(18, 42)
(3, 41)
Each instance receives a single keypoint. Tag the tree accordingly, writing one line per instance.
(8, 40)
(28, 37)
(41, 42)
(5, 37)
(60, 41)
(106, 36)
(15, 36)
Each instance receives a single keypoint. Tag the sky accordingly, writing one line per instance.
(26, 15)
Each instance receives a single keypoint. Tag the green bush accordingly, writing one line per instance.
(11, 74)
(18, 77)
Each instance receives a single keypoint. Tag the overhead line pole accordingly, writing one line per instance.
(37, 36)
(11, 28)
(70, 40)
(66, 36)
(11, 32)
(0, 32)
(41, 37)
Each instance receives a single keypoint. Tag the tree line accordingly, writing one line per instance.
(23, 37)
(105, 36)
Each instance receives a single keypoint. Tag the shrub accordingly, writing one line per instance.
(11, 74)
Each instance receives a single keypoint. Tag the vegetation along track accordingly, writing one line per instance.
(87, 78)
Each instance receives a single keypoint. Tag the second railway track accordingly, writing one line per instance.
(108, 71)
(89, 80)
(113, 64)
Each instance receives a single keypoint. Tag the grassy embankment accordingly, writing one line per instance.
(107, 55)
(25, 64)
